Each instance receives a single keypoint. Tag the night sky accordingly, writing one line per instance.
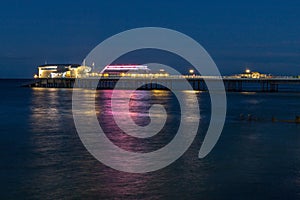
(261, 35)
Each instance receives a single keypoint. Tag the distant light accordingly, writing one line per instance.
(191, 71)
(248, 71)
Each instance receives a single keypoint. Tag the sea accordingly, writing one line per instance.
(42, 156)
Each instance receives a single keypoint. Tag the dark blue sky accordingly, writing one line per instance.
(264, 35)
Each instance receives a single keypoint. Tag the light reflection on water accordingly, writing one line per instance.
(252, 160)
(57, 151)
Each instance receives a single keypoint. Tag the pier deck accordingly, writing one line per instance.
(232, 84)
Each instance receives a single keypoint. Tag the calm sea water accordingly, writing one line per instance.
(42, 156)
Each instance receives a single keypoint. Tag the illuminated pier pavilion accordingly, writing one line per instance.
(129, 76)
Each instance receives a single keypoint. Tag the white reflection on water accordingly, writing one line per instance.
(62, 163)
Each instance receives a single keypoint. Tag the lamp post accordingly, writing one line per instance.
(191, 71)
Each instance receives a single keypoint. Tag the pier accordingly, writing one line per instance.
(232, 84)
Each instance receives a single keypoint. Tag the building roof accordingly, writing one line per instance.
(46, 65)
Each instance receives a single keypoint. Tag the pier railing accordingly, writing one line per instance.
(231, 83)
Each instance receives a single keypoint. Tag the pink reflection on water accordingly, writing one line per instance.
(139, 105)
